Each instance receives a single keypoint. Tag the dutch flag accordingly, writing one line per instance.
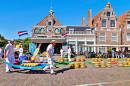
(20, 33)
(65, 34)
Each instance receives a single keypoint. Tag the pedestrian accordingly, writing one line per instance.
(61, 52)
(69, 53)
(116, 53)
(9, 54)
(20, 51)
(112, 53)
(50, 53)
(77, 52)
(1, 53)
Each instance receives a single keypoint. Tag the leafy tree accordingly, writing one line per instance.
(16, 43)
(26, 42)
(2, 43)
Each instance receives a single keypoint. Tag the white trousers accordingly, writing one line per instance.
(69, 57)
(51, 64)
(0, 57)
(61, 55)
(20, 54)
(117, 56)
(10, 59)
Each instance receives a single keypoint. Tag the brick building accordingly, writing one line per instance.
(125, 25)
(107, 27)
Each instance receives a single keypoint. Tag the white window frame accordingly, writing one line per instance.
(87, 30)
(110, 13)
(114, 36)
(105, 38)
(126, 37)
(128, 25)
(110, 23)
(71, 32)
(106, 23)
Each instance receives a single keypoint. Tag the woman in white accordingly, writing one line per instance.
(1, 52)
(61, 52)
(20, 51)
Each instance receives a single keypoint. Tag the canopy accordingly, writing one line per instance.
(83, 45)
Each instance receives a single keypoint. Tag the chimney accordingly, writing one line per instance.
(83, 21)
(90, 17)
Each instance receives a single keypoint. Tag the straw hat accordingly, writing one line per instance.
(53, 41)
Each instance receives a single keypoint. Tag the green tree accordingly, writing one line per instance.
(26, 42)
(2, 43)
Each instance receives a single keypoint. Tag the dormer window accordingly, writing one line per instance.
(108, 13)
(49, 23)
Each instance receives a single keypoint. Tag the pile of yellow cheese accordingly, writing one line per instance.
(44, 53)
(123, 63)
(96, 59)
(62, 59)
(113, 59)
(30, 64)
(126, 59)
(77, 65)
(102, 64)
(79, 59)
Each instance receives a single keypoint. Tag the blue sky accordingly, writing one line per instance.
(19, 15)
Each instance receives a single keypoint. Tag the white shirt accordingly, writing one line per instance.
(1, 51)
(113, 51)
(69, 50)
(61, 51)
(50, 49)
(21, 50)
(9, 49)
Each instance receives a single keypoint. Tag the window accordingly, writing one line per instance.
(102, 49)
(90, 49)
(128, 36)
(103, 24)
(102, 37)
(36, 30)
(108, 14)
(128, 24)
(42, 36)
(114, 37)
(56, 36)
(112, 23)
(49, 23)
(88, 31)
(71, 31)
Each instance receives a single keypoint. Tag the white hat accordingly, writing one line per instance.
(53, 41)
(12, 40)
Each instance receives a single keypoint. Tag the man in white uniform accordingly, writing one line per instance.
(112, 53)
(9, 54)
(20, 51)
(50, 53)
(1, 53)
(61, 52)
(69, 53)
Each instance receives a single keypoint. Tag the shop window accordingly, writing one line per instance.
(36, 30)
(104, 23)
(102, 49)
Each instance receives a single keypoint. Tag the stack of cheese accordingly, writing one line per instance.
(77, 65)
(79, 59)
(108, 64)
(44, 53)
(96, 59)
(30, 64)
(113, 59)
(62, 59)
